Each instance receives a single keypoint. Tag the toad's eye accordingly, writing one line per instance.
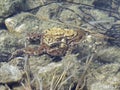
(34, 40)
(38, 36)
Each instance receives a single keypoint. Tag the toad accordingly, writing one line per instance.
(54, 42)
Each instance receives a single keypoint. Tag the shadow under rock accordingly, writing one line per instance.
(4, 56)
(114, 32)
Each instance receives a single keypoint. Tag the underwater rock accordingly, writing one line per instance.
(105, 77)
(49, 11)
(102, 86)
(45, 69)
(59, 13)
(10, 7)
(2, 87)
(22, 22)
(8, 43)
(97, 18)
(71, 16)
(26, 22)
(9, 73)
(50, 67)
(31, 4)
(88, 2)
(99, 15)
(109, 55)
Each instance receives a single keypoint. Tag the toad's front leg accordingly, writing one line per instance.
(57, 51)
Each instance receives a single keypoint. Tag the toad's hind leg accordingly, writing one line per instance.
(57, 52)
(29, 51)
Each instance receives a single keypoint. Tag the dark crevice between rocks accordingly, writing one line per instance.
(13, 84)
(4, 56)
(3, 26)
(98, 61)
(102, 4)
(56, 58)
(114, 32)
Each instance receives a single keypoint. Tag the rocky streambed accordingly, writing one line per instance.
(93, 65)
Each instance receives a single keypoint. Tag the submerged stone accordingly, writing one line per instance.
(9, 74)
